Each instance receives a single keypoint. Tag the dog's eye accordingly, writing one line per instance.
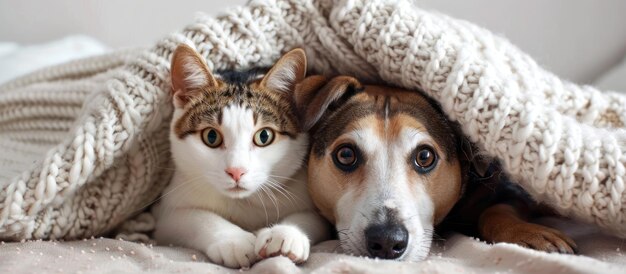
(211, 137)
(424, 159)
(345, 157)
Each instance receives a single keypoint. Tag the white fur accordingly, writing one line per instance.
(198, 210)
(386, 185)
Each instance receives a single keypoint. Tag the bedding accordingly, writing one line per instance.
(84, 145)
(458, 254)
(17, 60)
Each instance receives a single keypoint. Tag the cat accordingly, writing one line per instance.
(239, 190)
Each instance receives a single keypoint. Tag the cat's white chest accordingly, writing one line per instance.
(261, 209)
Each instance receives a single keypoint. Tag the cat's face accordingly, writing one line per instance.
(236, 131)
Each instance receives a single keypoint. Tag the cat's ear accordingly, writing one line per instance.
(189, 74)
(288, 71)
(314, 96)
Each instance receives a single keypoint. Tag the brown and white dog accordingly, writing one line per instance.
(386, 167)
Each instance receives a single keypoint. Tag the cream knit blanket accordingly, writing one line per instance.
(83, 146)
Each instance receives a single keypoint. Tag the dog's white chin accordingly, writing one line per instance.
(419, 246)
(417, 251)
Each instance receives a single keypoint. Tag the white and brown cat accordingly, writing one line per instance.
(239, 190)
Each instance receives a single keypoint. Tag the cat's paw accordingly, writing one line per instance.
(234, 252)
(285, 240)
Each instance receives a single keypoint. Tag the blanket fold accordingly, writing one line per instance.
(83, 146)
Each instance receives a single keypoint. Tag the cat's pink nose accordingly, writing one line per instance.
(235, 172)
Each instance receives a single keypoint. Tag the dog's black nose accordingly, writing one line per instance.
(386, 241)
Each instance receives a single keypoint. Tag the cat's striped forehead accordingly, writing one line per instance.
(240, 89)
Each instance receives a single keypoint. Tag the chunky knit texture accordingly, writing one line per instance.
(84, 145)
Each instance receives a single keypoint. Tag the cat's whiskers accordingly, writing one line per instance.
(289, 196)
(267, 217)
(277, 189)
(281, 187)
(271, 197)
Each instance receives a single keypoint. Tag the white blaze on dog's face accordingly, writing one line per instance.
(383, 167)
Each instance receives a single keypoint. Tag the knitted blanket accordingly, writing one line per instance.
(83, 146)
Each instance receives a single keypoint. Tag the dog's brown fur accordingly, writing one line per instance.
(486, 206)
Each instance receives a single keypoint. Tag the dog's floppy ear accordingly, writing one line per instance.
(313, 99)
(471, 159)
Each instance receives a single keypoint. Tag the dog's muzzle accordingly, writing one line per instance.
(387, 240)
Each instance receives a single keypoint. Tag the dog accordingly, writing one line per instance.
(386, 167)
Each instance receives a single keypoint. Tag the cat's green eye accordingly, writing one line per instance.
(264, 137)
(211, 137)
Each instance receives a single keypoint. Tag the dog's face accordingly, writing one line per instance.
(383, 166)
